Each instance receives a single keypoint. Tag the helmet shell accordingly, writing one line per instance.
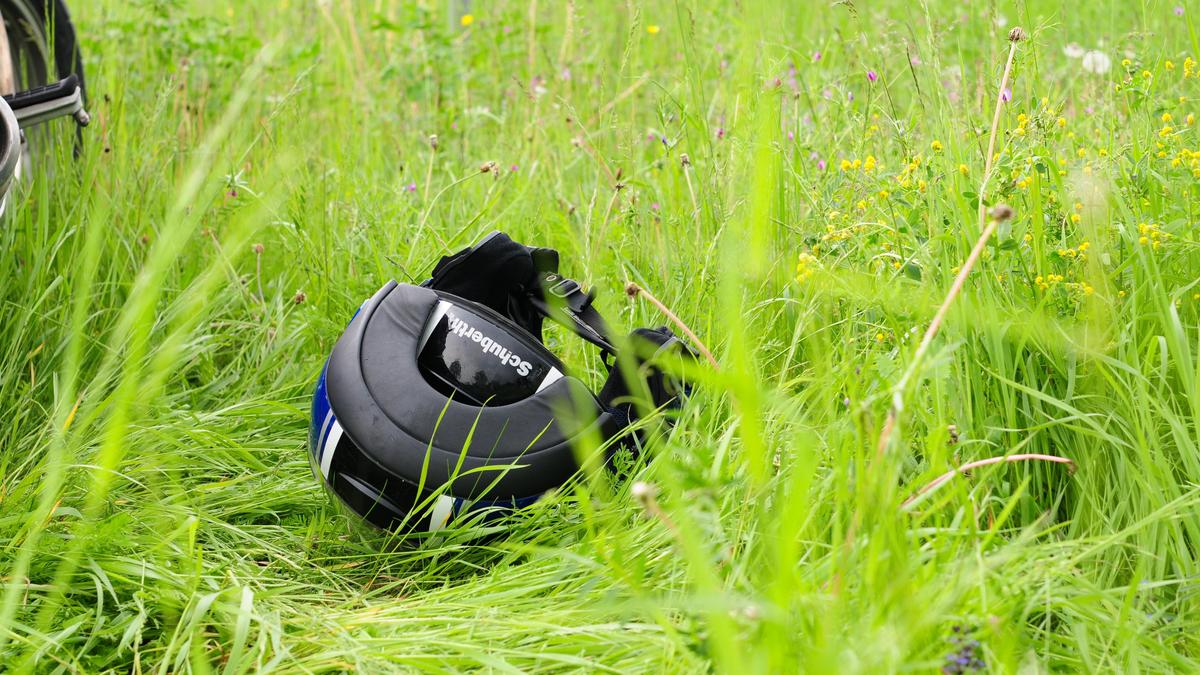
(404, 432)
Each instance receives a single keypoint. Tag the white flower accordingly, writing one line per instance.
(1073, 50)
(1096, 62)
(1001, 21)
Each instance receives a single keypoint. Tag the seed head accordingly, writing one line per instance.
(1002, 213)
(685, 160)
(487, 167)
(258, 249)
(433, 141)
(299, 298)
(1016, 34)
(642, 491)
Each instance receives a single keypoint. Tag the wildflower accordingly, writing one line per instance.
(869, 163)
(411, 187)
(1096, 62)
(846, 165)
(1169, 65)
(1178, 10)
(1062, 122)
(1121, 294)
(467, 20)
(1191, 119)
(1006, 95)
(816, 56)
(805, 266)
(962, 168)
(652, 29)
(1126, 63)
(514, 168)
(1073, 51)
(936, 146)
(1166, 117)
(879, 337)
(1075, 218)
(872, 76)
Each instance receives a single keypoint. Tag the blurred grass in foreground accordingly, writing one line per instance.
(156, 507)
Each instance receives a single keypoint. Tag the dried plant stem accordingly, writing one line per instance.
(633, 290)
(687, 175)
(987, 228)
(985, 462)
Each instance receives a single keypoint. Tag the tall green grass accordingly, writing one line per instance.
(256, 169)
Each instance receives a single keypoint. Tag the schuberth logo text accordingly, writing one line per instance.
(489, 346)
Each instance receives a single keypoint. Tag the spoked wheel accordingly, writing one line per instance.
(37, 48)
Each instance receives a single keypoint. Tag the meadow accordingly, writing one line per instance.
(802, 183)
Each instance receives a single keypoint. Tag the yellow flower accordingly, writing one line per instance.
(467, 20)
(1147, 74)
(1125, 63)
(846, 165)
(1022, 119)
(1165, 131)
(1019, 131)
(1191, 119)
(1169, 65)
(869, 163)
(879, 337)
(962, 168)
(1062, 122)
(936, 146)
(1120, 294)
(1078, 206)
(652, 29)
(1166, 118)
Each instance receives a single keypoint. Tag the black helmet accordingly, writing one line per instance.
(441, 399)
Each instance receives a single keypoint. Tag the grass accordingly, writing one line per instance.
(157, 513)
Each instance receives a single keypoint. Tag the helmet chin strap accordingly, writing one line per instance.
(563, 300)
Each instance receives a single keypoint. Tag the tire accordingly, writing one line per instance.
(35, 28)
(37, 47)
